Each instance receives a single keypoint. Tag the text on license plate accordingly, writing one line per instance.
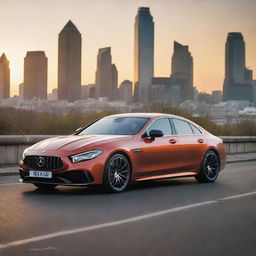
(40, 174)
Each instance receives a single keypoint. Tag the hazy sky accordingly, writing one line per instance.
(27, 25)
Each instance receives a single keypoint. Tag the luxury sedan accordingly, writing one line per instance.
(119, 149)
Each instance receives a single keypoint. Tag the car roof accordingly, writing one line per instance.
(155, 116)
(147, 115)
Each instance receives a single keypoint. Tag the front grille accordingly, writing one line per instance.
(43, 162)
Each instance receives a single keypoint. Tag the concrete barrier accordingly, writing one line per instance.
(239, 144)
(12, 147)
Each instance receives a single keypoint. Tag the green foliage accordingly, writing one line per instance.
(16, 121)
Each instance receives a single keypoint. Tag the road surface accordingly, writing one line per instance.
(168, 217)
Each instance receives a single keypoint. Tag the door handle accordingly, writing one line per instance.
(172, 141)
(200, 141)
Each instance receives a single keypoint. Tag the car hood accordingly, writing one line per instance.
(75, 142)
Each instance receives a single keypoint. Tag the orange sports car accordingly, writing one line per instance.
(119, 149)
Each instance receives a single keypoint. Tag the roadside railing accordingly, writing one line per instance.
(12, 147)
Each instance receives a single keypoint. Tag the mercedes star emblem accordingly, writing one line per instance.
(40, 162)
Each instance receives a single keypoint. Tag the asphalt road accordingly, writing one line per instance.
(170, 217)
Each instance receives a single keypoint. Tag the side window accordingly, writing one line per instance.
(182, 127)
(162, 124)
(195, 129)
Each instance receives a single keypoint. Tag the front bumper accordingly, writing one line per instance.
(68, 178)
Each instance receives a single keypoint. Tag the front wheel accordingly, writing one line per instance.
(117, 174)
(210, 168)
(45, 186)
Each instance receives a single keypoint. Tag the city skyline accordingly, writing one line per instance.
(172, 20)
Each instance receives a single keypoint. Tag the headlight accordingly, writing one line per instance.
(85, 156)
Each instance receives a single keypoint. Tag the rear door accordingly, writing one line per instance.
(190, 144)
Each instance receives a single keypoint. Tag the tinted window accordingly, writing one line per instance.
(162, 124)
(182, 127)
(116, 126)
(195, 129)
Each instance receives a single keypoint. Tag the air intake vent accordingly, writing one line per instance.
(43, 162)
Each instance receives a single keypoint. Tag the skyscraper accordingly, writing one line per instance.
(69, 63)
(125, 91)
(182, 70)
(114, 81)
(238, 79)
(106, 75)
(35, 75)
(4, 77)
(143, 53)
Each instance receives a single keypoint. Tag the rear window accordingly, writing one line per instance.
(195, 129)
(182, 127)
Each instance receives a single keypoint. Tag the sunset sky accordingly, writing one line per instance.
(27, 25)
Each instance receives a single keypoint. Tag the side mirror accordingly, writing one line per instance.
(156, 133)
(153, 134)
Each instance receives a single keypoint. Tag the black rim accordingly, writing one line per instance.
(211, 166)
(119, 173)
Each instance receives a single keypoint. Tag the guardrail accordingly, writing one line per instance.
(12, 147)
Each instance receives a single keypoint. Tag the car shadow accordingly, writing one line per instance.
(98, 190)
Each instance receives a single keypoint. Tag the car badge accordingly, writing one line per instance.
(40, 162)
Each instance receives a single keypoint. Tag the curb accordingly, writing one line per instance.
(9, 173)
(240, 161)
(13, 173)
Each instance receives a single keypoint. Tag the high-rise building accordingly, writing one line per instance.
(238, 79)
(164, 89)
(125, 91)
(35, 75)
(4, 77)
(182, 70)
(143, 53)
(114, 82)
(21, 91)
(106, 75)
(69, 63)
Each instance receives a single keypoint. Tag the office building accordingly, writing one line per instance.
(106, 75)
(4, 77)
(69, 63)
(143, 53)
(238, 79)
(35, 75)
(182, 70)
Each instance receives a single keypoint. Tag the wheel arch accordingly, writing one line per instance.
(125, 154)
(215, 151)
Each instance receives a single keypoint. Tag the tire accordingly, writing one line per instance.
(45, 186)
(210, 168)
(117, 174)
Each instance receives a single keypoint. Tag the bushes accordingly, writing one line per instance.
(16, 121)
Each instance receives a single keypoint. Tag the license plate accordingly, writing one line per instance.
(40, 174)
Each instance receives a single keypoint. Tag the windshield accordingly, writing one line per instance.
(116, 126)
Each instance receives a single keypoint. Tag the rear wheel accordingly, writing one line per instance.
(117, 174)
(45, 186)
(210, 168)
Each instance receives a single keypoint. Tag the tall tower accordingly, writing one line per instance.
(143, 53)
(182, 70)
(238, 79)
(106, 75)
(69, 63)
(235, 58)
(114, 74)
(4, 77)
(35, 75)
